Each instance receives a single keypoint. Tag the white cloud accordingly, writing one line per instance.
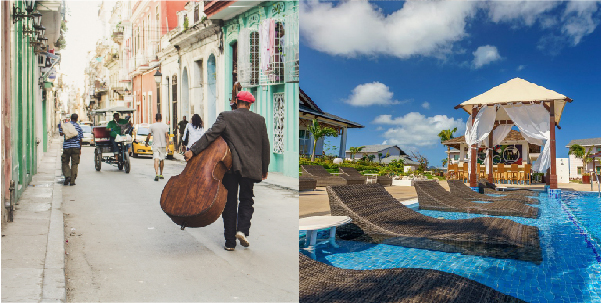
(374, 93)
(380, 128)
(580, 19)
(355, 28)
(521, 67)
(426, 105)
(485, 55)
(415, 129)
(525, 12)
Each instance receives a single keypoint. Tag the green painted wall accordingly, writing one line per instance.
(23, 104)
(287, 162)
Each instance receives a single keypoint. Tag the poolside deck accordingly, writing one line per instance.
(316, 203)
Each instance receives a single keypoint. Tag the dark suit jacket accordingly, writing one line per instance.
(246, 135)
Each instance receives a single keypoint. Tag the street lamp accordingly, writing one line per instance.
(40, 30)
(37, 18)
(158, 77)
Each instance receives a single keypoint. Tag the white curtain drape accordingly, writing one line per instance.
(483, 124)
(498, 135)
(533, 122)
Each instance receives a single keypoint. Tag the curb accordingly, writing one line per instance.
(54, 283)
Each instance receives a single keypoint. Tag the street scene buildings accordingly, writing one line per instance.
(182, 58)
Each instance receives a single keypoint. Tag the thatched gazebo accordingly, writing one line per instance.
(535, 110)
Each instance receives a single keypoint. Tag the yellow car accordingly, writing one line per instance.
(138, 146)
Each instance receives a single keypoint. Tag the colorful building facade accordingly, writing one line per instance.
(268, 69)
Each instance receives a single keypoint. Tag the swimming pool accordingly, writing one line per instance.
(570, 230)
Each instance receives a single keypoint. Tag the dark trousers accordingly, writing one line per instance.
(70, 155)
(237, 217)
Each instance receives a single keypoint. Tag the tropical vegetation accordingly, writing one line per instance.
(318, 131)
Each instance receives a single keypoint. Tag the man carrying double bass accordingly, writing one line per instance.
(246, 135)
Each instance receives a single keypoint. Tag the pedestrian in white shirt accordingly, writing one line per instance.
(160, 139)
(194, 130)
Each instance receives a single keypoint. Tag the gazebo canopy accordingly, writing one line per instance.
(517, 91)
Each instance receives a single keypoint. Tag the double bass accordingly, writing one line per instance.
(196, 197)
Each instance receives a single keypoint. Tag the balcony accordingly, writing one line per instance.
(141, 62)
(124, 75)
(151, 54)
(118, 34)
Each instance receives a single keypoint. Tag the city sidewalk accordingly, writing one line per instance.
(33, 245)
(274, 178)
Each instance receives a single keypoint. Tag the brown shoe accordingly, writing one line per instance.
(73, 182)
(67, 180)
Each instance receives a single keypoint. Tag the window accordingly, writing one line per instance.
(196, 13)
(247, 66)
(278, 123)
(157, 20)
(599, 149)
(149, 108)
(455, 157)
(304, 142)
(254, 58)
(579, 170)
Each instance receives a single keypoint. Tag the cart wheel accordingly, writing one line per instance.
(97, 159)
(127, 164)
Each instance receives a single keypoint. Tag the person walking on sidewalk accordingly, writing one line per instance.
(160, 138)
(181, 126)
(246, 135)
(193, 132)
(71, 149)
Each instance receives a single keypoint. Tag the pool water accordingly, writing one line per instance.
(570, 230)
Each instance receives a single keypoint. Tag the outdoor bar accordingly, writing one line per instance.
(535, 110)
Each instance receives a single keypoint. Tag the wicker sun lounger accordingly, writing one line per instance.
(459, 189)
(379, 218)
(490, 188)
(320, 282)
(432, 196)
(323, 177)
(385, 181)
(306, 183)
(350, 173)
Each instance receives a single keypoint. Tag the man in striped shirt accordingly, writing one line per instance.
(71, 152)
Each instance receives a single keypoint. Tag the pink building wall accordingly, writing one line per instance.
(144, 83)
(6, 10)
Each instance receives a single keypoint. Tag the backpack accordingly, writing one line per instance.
(69, 130)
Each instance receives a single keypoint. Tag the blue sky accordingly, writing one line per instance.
(416, 61)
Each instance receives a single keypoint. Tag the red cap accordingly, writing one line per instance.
(245, 96)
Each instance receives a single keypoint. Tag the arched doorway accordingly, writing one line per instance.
(185, 99)
(211, 91)
(197, 92)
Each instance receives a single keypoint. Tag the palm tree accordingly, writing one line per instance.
(319, 132)
(580, 152)
(444, 162)
(355, 150)
(444, 135)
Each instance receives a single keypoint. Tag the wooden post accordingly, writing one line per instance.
(553, 176)
(474, 155)
(490, 151)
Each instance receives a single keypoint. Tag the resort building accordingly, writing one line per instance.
(514, 149)
(379, 151)
(577, 167)
(308, 111)
(408, 163)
